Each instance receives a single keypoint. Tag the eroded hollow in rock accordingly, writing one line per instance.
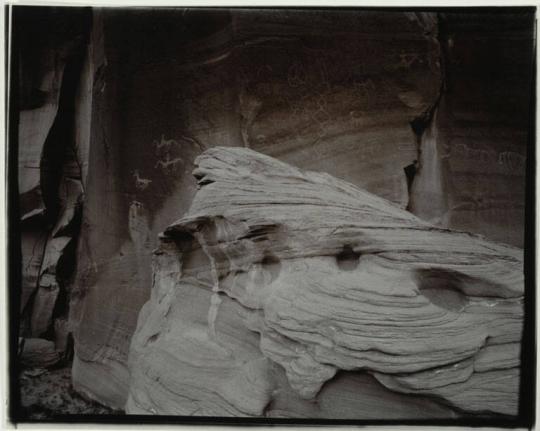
(271, 265)
(442, 290)
(347, 259)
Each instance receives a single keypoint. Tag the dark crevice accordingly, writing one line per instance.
(59, 167)
(424, 121)
(60, 142)
(347, 259)
(410, 173)
(202, 180)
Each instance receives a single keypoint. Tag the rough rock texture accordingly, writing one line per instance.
(117, 104)
(36, 352)
(339, 101)
(473, 155)
(276, 279)
(220, 77)
(52, 43)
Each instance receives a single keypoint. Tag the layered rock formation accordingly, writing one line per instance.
(280, 287)
(229, 78)
(474, 152)
(50, 174)
(428, 110)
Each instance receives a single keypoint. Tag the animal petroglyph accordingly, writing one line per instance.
(406, 60)
(164, 143)
(166, 147)
(140, 183)
(168, 163)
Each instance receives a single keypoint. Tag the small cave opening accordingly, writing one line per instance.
(347, 259)
(202, 179)
(442, 288)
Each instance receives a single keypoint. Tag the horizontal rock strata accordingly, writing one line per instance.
(290, 293)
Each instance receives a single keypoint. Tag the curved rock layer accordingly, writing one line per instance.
(429, 110)
(284, 82)
(290, 293)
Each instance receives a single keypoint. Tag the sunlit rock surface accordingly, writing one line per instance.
(282, 284)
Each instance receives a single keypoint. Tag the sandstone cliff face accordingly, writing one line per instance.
(123, 105)
(226, 78)
(473, 155)
(276, 280)
(51, 182)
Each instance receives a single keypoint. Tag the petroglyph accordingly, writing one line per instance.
(140, 183)
(168, 163)
(406, 60)
(164, 143)
(296, 75)
(512, 161)
(476, 154)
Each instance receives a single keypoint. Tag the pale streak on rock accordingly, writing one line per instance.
(215, 300)
(318, 276)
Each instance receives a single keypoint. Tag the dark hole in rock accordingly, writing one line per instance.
(442, 291)
(152, 338)
(202, 179)
(272, 265)
(67, 263)
(347, 259)
(410, 173)
(70, 349)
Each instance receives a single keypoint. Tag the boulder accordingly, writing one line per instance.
(38, 352)
(291, 293)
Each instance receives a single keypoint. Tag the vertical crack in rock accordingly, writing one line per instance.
(425, 175)
(61, 192)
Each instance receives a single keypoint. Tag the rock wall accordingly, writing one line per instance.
(276, 280)
(473, 156)
(123, 101)
(51, 182)
(224, 78)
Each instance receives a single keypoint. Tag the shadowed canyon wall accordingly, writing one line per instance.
(427, 110)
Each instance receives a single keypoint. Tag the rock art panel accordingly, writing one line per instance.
(217, 92)
(108, 136)
(153, 111)
(475, 150)
(280, 284)
(338, 100)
